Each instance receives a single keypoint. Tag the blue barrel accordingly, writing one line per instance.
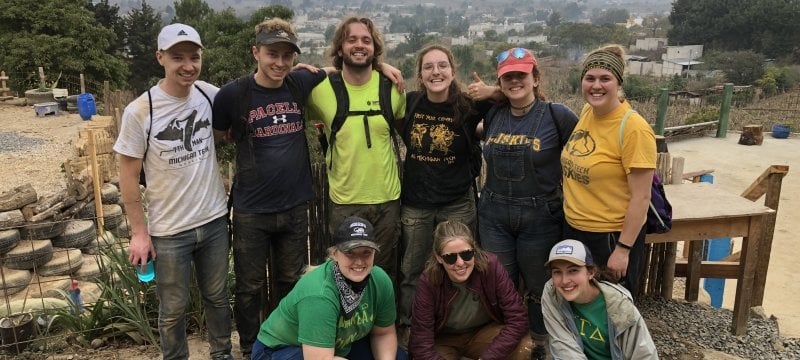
(86, 106)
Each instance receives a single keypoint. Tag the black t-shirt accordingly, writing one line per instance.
(275, 176)
(437, 166)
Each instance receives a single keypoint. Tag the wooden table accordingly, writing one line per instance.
(702, 211)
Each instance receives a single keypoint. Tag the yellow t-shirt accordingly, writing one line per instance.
(595, 167)
(359, 174)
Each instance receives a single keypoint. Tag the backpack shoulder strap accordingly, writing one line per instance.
(487, 119)
(622, 123)
(385, 100)
(239, 126)
(149, 128)
(342, 101)
(210, 103)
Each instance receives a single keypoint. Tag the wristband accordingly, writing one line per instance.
(624, 246)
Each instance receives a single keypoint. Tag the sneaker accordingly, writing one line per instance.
(222, 357)
(538, 353)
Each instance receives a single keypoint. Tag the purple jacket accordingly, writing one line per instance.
(498, 296)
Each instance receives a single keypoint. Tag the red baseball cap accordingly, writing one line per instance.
(515, 59)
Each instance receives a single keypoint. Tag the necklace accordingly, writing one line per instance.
(523, 108)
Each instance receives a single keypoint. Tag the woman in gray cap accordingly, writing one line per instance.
(343, 308)
(588, 318)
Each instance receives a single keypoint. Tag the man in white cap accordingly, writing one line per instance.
(168, 131)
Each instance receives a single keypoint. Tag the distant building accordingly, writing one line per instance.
(649, 44)
(521, 40)
(678, 60)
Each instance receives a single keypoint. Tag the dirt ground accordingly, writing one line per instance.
(735, 168)
(47, 143)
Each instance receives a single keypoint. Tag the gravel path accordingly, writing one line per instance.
(681, 330)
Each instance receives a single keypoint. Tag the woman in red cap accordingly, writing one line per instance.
(520, 212)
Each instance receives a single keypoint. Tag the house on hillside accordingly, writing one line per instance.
(649, 44)
(677, 60)
(522, 40)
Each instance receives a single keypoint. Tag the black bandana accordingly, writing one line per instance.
(350, 293)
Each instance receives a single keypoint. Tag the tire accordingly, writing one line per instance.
(112, 216)
(64, 262)
(29, 254)
(77, 234)
(109, 193)
(8, 240)
(40, 231)
(13, 281)
(122, 231)
(90, 269)
(88, 212)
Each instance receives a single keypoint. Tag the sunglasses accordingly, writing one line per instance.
(465, 255)
(518, 53)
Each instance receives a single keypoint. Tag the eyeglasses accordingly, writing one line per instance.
(518, 53)
(465, 255)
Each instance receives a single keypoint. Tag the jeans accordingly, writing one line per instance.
(418, 226)
(603, 244)
(521, 232)
(207, 247)
(385, 219)
(277, 241)
(359, 350)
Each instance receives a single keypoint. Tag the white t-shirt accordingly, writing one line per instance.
(185, 187)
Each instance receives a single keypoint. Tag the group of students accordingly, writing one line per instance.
(549, 176)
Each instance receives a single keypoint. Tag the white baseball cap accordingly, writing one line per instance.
(571, 250)
(177, 33)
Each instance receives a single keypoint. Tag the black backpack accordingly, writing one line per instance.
(343, 112)
(476, 152)
(142, 180)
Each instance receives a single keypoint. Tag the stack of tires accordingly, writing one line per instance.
(62, 248)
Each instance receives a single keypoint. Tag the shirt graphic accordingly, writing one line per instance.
(192, 143)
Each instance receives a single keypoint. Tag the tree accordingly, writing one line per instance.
(142, 26)
(740, 67)
(191, 12)
(768, 27)
(553, 21)
(415, 40)
(465, 60)
(572, 11)
(108, 15)
(59, 35)
(611, 16)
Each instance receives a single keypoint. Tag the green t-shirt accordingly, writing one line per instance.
(592, 322)
(465, 313)
(360, 174)
(311, 313)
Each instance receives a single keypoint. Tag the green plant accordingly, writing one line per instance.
(133, 304)
(707, 114)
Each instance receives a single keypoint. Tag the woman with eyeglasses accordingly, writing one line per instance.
(465, 305)
(520, 208)
(443, 158)
(608, 170)
(342, 309)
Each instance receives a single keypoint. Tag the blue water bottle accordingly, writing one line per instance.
(149, 272)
